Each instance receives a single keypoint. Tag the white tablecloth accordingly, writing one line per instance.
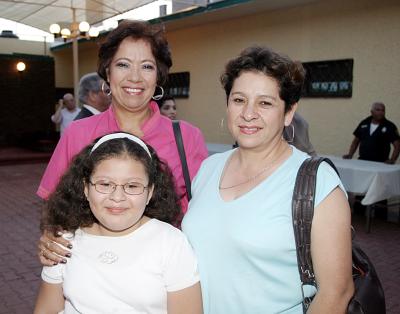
(376, 180)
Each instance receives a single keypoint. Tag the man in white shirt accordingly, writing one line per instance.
(91, 96)
(66, 112)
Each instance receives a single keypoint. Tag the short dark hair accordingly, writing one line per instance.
(288, 74)
(166, 97)
(68, 208)
(151, 33)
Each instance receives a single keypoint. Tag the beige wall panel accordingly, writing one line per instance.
(87, 55)
(12, 45)
(87, 58)
(63, 64)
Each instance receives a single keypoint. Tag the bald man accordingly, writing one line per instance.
(374, 135)
(66, 112)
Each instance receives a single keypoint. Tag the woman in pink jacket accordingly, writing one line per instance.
(134, 61)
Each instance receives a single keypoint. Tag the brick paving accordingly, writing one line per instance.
(20, 270)
(19, 231)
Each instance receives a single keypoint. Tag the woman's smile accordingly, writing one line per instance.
(249, 130)
(133, 91)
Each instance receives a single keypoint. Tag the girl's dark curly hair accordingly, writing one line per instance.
(153, 34)
(288, 74)
(68, 208)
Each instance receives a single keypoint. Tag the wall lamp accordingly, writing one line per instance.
(21, 66)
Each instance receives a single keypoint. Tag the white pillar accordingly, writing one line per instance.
(75, 62)
(75, 56)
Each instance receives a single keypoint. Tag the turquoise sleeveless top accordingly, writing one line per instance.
(245, 247)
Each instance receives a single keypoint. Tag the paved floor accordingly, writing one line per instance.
(19, 231)
(20, 270)
(13, 155)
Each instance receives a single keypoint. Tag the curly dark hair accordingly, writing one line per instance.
(153, 34)
(288, 74)
(68, 208)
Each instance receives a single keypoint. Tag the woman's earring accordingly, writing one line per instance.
(221, 126)
(104, 90)
(159, 96)
(289, 135)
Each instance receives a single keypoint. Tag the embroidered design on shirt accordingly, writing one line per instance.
(108, 257)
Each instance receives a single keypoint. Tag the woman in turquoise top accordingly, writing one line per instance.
(239, 220)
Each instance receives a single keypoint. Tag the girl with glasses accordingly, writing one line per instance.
(117, 201)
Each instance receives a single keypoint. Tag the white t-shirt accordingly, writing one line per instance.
(128, 274)
(372, 128)
(92, 109)
(66, 118)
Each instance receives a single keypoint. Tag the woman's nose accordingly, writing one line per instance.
(135, 74)
(249, 112)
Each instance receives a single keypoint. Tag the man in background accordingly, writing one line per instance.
(296, 134)
(91, 96)
(66, 112)
(374, 135)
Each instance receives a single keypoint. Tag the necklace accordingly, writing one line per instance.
(252, 178)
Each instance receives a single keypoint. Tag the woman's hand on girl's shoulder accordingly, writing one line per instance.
(53, 250)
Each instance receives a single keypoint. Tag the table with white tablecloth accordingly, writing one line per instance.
(377, 181)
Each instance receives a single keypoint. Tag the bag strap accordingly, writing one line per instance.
(181, 150)
(303, 212)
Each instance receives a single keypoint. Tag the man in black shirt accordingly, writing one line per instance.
(374, 135)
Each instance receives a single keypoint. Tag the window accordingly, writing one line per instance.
(178, 85)
(329, 78)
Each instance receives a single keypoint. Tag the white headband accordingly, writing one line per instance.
(112, 136)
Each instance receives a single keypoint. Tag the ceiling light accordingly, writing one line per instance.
(65, 33)
(84, 27)
(55, 29)
(93, 32)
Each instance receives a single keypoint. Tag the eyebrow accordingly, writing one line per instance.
(267, 96)
(129, 60)
(113, 179)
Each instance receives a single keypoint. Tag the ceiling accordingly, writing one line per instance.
(42, 13)
(233, 10)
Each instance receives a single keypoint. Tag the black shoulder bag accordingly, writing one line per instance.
(182, 155)
(368, 296)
